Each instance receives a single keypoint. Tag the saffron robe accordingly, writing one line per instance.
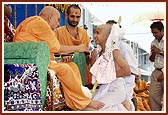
(65, 38)
(143, 95)
(36, 29)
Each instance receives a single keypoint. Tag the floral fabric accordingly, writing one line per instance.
(22, 88)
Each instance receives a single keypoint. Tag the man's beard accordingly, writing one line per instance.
(73, 25)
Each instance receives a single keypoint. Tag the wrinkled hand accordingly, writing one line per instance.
(66, 59)
(154, 49)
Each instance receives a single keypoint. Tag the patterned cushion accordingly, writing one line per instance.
(22, 88)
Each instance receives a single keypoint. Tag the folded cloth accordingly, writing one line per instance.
(103, 70)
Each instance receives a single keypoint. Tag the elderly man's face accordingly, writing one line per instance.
(54, 20)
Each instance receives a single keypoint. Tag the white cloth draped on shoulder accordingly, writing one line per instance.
(115, 36)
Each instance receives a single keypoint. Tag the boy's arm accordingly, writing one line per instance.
(124, 69)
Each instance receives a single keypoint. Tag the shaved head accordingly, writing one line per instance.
(105, 28)
(102, 33)
(51, 15)
(48, 10)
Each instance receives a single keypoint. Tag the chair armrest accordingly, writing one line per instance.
(25, 50)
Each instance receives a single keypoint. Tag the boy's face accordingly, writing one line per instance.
(100, 36)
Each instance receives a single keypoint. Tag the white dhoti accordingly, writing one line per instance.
(112, 94)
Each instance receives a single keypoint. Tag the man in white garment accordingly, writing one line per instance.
(128, 55)
(112, 90)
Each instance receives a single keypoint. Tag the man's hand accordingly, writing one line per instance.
(66, 58)
(82, 48)
(154, 49)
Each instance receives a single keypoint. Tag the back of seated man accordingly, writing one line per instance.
(40, 28)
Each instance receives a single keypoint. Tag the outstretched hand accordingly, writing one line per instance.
(93, 57)
(83, 48)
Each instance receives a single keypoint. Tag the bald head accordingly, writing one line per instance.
(51, 15)
(102, 33)
(48, 10)
(105, 28)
